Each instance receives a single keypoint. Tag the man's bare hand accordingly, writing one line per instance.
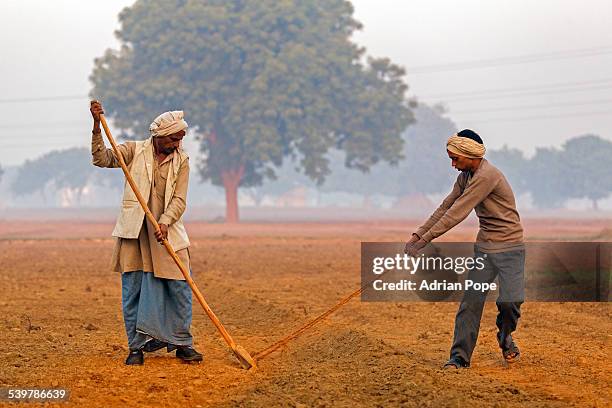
(95, 108)
(415, 238)
(415, 247)
(162, 233)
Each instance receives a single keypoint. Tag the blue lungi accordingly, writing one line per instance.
(155, 307)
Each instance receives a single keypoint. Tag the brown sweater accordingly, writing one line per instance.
(488, 192)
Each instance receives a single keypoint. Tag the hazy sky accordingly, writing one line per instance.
(524, 73)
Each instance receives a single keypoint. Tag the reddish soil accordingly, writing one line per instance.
(61, 325)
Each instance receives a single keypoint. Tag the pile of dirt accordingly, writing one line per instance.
(350, 368)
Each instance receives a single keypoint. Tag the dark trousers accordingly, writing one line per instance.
(510, 268)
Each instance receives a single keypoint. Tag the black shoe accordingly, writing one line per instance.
(154, 345)
(188, 353)
(135, 358)
(456, 363)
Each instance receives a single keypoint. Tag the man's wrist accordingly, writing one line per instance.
(164, 219)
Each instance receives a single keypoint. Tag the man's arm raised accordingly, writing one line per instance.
(101, 156)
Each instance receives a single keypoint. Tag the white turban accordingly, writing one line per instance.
(168, 123)
(466, 147)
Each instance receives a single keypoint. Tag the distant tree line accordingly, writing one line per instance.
(578, 169)
(62, 169)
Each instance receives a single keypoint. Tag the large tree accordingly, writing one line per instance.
(261, 80)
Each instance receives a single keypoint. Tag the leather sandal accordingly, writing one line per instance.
(511, 354)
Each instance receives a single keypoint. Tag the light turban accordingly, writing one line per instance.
(466, 147)
(168, 123)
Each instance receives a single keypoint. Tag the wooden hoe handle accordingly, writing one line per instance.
(151, 218)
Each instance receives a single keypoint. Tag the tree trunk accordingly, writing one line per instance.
(231, 181)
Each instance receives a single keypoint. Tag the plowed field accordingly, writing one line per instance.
(61, 326)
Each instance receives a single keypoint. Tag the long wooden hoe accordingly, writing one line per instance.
(246, 361)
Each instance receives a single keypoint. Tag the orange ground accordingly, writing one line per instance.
(62, 327)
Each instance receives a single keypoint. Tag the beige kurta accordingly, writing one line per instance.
(145, 253)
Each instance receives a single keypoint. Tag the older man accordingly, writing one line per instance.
(156, 299)
(483, 188)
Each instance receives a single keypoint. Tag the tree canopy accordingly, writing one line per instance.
(260, 80)
(424, 168)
